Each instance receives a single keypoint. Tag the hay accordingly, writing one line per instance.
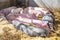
(8, 32)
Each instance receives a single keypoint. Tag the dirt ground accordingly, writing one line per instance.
(8, 32)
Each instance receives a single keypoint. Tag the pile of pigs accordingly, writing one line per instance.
(27, 20)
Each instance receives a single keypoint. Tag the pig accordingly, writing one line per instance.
(6, 11)
(30, 30)
(50, 18)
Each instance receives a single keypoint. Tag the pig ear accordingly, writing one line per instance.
(45, 24)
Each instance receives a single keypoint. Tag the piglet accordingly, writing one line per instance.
(30, 30)
(33, 31)
(17, 10)
(6, 11)
(50, 19)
